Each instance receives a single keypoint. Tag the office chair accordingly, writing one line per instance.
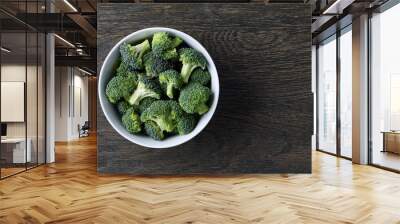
(84, 130)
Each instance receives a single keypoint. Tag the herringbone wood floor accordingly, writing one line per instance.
(70, 191)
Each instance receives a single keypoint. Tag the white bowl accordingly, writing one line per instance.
(114, 118)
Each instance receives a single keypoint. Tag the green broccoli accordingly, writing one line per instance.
(171, 80)
(153, 130)
(201, 76)
(170, 55)
(165, 113)
(132, 56)
(191, 59)
(123, 70)
(120, 87)
(186, 124)
(145, 88)
(123, 106)
(155, 64)
(194, 98)
(165, 45)
(145, 103)
(131, 121)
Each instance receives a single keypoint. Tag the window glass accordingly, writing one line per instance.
(15, 150)
(346, 93)
(327, 95)
(385, 88)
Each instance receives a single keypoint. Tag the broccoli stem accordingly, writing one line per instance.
(176, 42)
(187, 69)
(163, 125)
(171, 54)
(135, 98)
(140, 94)
(142, 48)
(202, 109)
(170, 91)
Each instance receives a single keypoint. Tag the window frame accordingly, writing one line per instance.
(338, 34)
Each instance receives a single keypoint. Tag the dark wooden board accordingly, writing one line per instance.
(264, 119)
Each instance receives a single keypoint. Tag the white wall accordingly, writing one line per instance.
(61, 103)
(17, 73)
(33, 126)
(70, 83)
(80, 109)
(12, 73)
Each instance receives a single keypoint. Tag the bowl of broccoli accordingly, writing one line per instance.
(158, 87)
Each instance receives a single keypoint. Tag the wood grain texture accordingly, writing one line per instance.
(263, 123)
(71, 191)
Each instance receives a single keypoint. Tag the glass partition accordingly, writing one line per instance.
(31, 97)
(41, 97)
(385, 89)
(327, 95)
(22, 101)
(31, 86)
(346, 92)
(14, 155)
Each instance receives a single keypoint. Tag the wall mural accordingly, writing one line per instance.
(211, 91)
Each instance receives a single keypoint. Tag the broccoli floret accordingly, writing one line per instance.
(123, 70)
(186, 124)
(145, 103)
(164, 45)
(201, 76)
(191, 59)
(120, 87)
(131, 121)
(123, 106)
(132, 56)
(194, 98)
(155, 64)
(145, 88)
(153, 130)
(171, 80)
(165, 113)
(171, 55)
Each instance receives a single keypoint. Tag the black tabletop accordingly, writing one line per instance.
(264, 119)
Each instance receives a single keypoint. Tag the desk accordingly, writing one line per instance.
(391, 141)
(18, 149)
